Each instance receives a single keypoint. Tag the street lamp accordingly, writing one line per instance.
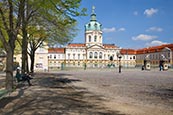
(119, 57)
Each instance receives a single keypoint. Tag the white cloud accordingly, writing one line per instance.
(150, 12)
(121, 29)
(108, 30)
(135, 13)
(155, 43)
(155, 29)
(144, 37)
(113, 29)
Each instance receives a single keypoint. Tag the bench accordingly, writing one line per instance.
(22, 78)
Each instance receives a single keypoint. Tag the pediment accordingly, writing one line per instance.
(166, 49)
(96, 47)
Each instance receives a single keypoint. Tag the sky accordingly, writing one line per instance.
(130, 23)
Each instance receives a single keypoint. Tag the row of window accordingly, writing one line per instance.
(83, 50)
(95, 38)
(56, 56)
(156, 56)
(95, 55)
(129, 57)
(76, 50)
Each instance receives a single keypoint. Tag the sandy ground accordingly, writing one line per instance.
(93, 92)
(131, 92)
(53, 94)
(127, 106)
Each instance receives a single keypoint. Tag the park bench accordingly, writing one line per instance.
(23, 78)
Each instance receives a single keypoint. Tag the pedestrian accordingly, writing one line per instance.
(161, 65)
(24, 77)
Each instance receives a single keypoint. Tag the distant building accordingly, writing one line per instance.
(155, 54)
(41, 58)
(128, 57)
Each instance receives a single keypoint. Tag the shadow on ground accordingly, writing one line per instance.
(53, 94)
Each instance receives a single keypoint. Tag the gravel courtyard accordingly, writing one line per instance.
(132, 91)
(93, 92)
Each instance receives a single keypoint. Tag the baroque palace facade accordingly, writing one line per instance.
(95, 54)
(92, 53)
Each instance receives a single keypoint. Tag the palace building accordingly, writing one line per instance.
(92, 53)
(95, 54)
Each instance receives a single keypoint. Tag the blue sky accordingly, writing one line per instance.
(130, 23)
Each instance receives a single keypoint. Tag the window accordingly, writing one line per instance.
(111, 58)
(73, 56)
(50, 56)
(100, 55)
(95, 55)
(89, 25)
(133, 57)
(168, 54)
(90, 55)
(78, 56)
(95, 26)
(54, 56)
(95, 38)
(89, 38)
(68, 56)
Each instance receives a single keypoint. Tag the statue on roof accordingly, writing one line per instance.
(93, 9)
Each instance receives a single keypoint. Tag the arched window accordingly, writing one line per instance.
(100, 55)
(100, 38)
(95, 55)
(111, 58)
(89, 25)
(95, 26)
(73, 56)
(95, 38)
(89, 38)
(50, 56)
(78, 56)
(90, 55)
(54, 56)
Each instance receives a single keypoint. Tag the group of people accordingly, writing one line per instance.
(23, 77)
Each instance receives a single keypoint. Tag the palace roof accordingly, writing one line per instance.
(108, 46)
(76, 45)
(154, 49)
(56, 50)
(128, 51)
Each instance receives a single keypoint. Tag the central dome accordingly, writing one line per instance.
(93, 24)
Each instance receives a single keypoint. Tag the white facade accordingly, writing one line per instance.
(41, 59)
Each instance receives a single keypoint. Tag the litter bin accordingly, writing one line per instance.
(147, 64)
(165, 66)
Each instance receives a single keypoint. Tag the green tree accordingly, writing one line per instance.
(55, 17)
(9, 27)
(18, 14)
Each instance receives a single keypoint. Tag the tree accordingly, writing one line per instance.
(18, 14)
(9, 27)
(55, 17)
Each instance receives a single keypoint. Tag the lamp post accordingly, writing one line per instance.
(119, 57)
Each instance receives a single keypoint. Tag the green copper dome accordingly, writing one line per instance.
(93, 24)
